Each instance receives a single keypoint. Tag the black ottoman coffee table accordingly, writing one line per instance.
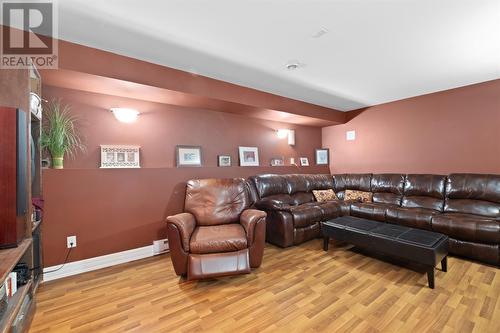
(420, 246)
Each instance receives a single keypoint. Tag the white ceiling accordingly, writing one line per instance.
(374, 51)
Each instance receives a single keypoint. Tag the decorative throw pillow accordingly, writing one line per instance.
(324, 195)
(360, 196)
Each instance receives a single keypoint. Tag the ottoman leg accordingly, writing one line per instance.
(430, 277)
(326, 240)
(444, 264)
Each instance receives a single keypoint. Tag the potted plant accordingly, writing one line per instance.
(59, 133)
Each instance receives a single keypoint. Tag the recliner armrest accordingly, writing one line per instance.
(271, 204)
(249, 219)
(186, 223)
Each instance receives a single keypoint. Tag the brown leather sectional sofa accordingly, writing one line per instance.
(466, 207)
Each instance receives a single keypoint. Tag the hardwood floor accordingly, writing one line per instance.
(298, 289)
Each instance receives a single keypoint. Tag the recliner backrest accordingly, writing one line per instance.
(353, 181)
(477, 194)
(216, 201)
(297, 188)
(269, 184)
(424, 191)
(388, 188)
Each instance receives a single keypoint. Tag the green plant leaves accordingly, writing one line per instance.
(59, 131)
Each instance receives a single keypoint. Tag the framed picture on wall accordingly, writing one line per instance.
(224, 160)
(249, 156)
(304, 161)
(322, 156)
(118, 156)
(188, 156)
(277, 161)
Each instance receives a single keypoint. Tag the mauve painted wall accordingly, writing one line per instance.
(116, 210)
(456, 130)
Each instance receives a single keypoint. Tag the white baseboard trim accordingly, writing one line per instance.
(87, 265)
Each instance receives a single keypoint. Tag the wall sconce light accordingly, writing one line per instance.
(284, 133)
(125, 115)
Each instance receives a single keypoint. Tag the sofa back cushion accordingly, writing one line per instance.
(424, 191)
(296, 183)
(216, 201)
(477, 194)
(319, 182)
(358, 182)
(253, 196)
(293, 189)
(300, 187)
(270, 184)
(388, 188)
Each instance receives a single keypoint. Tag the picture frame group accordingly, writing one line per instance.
(191, 156)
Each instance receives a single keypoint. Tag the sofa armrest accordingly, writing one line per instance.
(185, 223)
(270, 204)
(249, 219)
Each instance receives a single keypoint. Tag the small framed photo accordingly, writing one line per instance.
(224, 160)
(249, 156)
(322, 156)
(304, 161)
(117, 156)
(277, 161)
(120, 157)
(110, 157)
(188, 156)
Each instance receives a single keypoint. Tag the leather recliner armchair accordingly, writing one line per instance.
(218, 234)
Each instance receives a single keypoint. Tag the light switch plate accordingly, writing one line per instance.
(350, 135)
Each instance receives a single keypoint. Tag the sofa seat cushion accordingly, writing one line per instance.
(468, 227)
(306, 215)
(218, 238)
(370, 210)
(329, 209)
(411, 217)
(345, 206)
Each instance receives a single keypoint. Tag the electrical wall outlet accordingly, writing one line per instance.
(160, 246)
(71, 241)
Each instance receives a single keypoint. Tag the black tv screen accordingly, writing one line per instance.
(22, 163)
